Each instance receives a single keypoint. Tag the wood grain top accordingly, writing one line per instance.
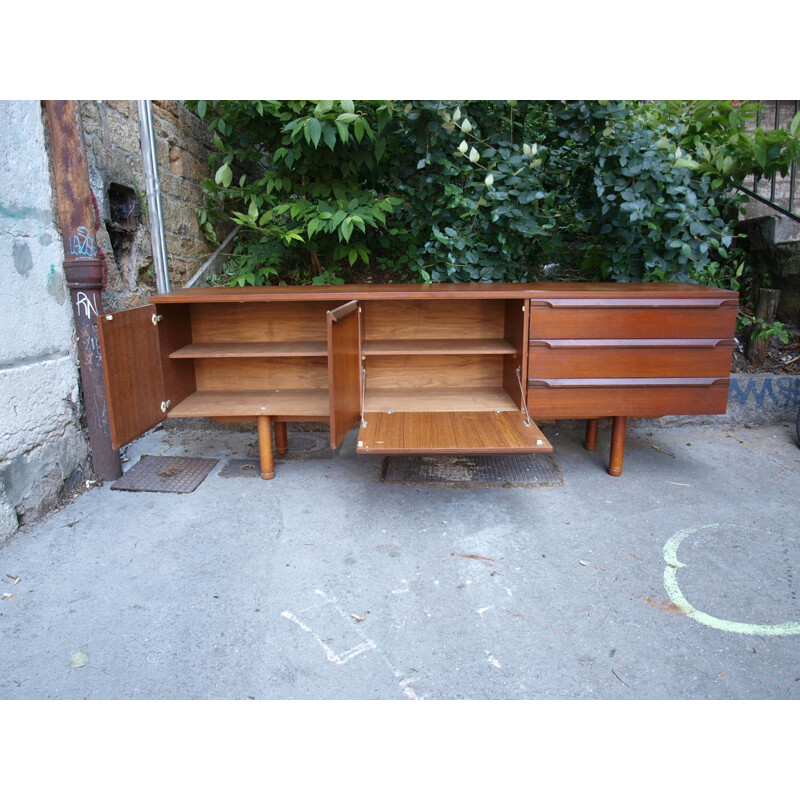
(266, 294)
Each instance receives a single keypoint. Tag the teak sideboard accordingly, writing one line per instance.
(421, 369)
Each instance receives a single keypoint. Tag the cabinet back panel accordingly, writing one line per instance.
(433, 319)
(259, 322)
(422, 372)
(229, 374)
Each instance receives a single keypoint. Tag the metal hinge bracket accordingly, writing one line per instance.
(527, 420)
(363, 389)
(165, 405)
(157, 318)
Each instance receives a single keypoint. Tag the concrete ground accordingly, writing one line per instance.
(678, 580)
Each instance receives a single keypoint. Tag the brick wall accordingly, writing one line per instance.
(183, 143)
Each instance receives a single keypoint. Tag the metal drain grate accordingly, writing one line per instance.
(513, 471)
(165, 474)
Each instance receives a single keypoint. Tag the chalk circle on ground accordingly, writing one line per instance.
(679, 599)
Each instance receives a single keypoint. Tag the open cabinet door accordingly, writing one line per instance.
(344, 369)
(132, 372)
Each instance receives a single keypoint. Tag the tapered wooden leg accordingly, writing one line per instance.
(265, 447)
(281, 440)
(590, 442)
(617, 446)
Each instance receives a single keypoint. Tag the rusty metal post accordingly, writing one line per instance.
(83, 272)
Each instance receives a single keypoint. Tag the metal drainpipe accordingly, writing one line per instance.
(83, 272)
(155, 215)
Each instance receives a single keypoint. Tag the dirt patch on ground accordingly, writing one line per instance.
(781, 359)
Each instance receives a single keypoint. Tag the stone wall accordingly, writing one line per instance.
(773, 239)
(43, 449)
(183, 144)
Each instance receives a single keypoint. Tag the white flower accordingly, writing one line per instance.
(463, 147)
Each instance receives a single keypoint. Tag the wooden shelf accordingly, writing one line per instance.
(267, 402)
(462, 398)
(398, 347)
(252, 350)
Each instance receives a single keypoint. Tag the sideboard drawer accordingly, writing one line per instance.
(627, 397)
(629, 358)
(635, 320)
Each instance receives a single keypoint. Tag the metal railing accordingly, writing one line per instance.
(765, 190)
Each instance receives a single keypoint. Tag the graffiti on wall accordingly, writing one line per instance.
(86, 305)
(781, 391)
(82, 245)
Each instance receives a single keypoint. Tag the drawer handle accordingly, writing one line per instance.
(587, 344)
(643, 303)
(621, 383)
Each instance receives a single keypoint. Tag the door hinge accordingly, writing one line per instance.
(165, 406)
(157, 318)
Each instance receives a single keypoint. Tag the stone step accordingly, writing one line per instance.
(769, 231)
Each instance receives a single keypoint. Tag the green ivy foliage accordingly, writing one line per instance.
(647, 215)
(485, 190)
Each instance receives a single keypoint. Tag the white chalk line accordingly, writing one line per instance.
(363, 647)
(336, 658)
(679, 599)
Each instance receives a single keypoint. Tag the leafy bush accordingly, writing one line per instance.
(485, 190)
(298, 175)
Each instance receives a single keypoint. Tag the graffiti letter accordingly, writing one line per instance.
(85, 305)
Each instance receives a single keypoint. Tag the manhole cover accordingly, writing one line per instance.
(302, 444)
(307, 444)
(165, 474)
(514, 471)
